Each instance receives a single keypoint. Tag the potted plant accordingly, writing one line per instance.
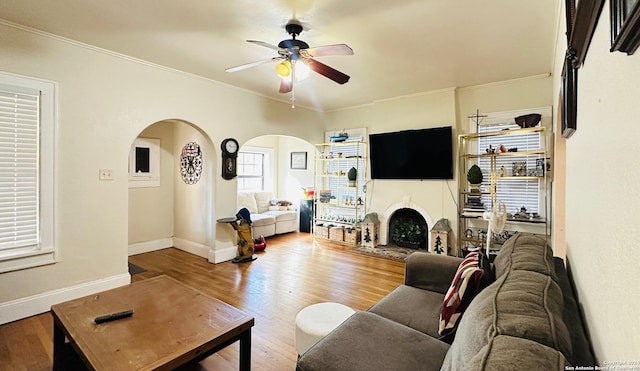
(474, 176)
(352, 175)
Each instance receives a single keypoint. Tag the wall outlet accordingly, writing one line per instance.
(106, 174)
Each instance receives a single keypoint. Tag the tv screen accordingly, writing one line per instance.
(412, 154)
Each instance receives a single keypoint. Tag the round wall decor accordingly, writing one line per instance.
(191, 163)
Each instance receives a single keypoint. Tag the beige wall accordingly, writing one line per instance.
(291, 182)
(151, 208)
(288, 182)
(434, 109)
(518, 94)
(602, 202)
(194, 208)
(104, 102)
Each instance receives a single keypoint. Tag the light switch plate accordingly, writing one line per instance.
(106, 174)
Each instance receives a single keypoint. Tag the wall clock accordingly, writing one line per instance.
(191, 163)
(230, 149)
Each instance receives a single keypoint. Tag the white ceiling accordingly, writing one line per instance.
(401, 47)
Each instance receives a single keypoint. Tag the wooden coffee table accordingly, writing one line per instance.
(172, 325)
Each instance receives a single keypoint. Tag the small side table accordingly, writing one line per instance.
(316, 321)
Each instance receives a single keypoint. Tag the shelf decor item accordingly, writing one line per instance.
(352, 175)
(474, 176)
(528, 121)
(440, 241)
(370, 227)
(519, 168)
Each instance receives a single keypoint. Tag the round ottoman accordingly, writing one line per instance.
(316, 321)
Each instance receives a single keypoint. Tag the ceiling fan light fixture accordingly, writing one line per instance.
(284, 69)
(302, 70)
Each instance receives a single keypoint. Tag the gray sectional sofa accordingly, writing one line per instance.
(527, 318)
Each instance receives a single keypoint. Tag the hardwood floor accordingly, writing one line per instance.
(293, 272)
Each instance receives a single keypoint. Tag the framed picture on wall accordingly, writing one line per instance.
(625, 25)
(299, 160)
(569, 97)
(583, 24)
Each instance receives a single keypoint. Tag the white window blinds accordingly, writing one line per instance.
(514, 192)
(19, 182)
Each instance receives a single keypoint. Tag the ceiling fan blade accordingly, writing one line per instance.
(327, 71)
(285, 86)
(266, 45)
(253, 64)
(321, 51)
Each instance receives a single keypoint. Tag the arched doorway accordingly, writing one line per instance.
(170, 212)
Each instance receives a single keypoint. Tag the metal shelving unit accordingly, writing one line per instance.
(336, 203)
(471, 223)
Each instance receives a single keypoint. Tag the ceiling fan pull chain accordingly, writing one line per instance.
(293, 83)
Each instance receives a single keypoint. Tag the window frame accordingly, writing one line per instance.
(268, 167)
(44, 252)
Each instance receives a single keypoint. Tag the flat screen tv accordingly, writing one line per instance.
(412, 154)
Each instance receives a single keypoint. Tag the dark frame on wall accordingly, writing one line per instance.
(583, 21)
(625, 25)
(298, 160)
(569, 94)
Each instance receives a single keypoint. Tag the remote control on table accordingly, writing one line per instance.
(113, 316)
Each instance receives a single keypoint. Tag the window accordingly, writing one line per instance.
(515, 192)
(26, 172)
(144, 163)
(251, 171)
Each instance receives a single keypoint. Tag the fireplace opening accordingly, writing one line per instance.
(407, 228)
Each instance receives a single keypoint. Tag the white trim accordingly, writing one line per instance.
(148, 246)
(504, 82)
(30, 259)
(25, 307)
(213, 255)
(222, 255)
(191, 247)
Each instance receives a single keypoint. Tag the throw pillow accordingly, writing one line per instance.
(468, 281)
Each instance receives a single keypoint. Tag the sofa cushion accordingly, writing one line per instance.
(413, 307)
(368, 342)
(467, 283)
(281, 216)
(263, 201)
(262, 219)
(521, 304)
(512, 353)
(248, 201)
(526, 252)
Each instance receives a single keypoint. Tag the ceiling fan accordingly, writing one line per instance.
(297, 59)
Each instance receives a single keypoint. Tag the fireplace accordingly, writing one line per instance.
(406, 203)
(407, 228)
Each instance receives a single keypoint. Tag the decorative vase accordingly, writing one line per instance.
(352, 175)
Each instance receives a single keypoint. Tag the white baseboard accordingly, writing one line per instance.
(214, 256)
(30, 306)
(148, 246)
(223, 254)
(191, 247)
